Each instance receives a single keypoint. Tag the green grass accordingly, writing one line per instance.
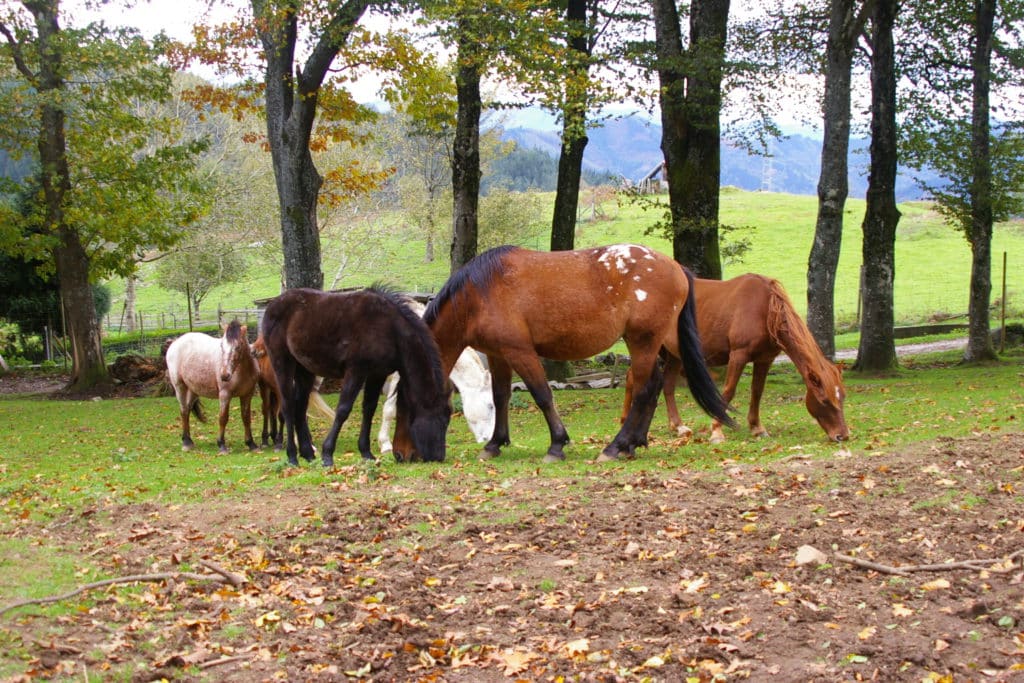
(62, 457)
(933, 261)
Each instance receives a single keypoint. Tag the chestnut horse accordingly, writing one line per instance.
(270, 397)
(750, 319)
(360, 337)
(516, 306)
(199, 365)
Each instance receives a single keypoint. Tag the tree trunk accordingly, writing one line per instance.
(691, 100)
(574, 126)
(877, 350)
(466, 154)
(845, 25)
(71, 260)
(979, 340)
(291, 102)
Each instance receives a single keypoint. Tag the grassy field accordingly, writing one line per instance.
(933, 261)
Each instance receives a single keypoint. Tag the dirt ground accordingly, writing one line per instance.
(890, 567)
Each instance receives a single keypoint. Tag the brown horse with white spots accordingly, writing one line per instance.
(199, 365)
(750, 319)
(516, 306)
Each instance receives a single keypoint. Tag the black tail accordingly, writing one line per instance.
(197, 410)
(691, 352)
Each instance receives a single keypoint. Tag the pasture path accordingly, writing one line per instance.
(666, 575)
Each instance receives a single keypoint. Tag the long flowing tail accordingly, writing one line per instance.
(197, 410)
(317, 399)
(691, 352)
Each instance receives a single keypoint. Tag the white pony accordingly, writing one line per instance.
(469, 375)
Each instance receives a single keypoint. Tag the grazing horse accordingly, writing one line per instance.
(469, 375)
(516, 306)
(360, 337)
(750, 319)
(199, 365)
(270, 397)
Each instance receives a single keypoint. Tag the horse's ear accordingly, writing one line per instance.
(814, 381)
(244, 330)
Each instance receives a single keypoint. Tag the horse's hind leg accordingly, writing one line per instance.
(387, 413)
(350, 386)
(637, 424)
(185, 401)
(673, 368)
(757, 383)
(737, 361)
(371, 396)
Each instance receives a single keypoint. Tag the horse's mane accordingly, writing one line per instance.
(789, 331)
(420, 329)
(233, 332)
(479, 272)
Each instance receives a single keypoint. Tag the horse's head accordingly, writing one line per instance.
(235, 354)
(825, 398)
(478, 407)
(420, 436)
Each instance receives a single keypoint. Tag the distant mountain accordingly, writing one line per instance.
(631, 147)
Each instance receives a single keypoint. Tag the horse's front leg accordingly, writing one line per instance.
(673, 368)
(225, 407)
(350, 387)
(529, 367)
(501, 393)
(371, 396)
(387, 413)
(245, 401)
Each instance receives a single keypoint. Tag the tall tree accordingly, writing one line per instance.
(466, 172)
(847, 19)
(877, 351)
(105, 189)
(960, 54)
(691, 102)
(574, 126)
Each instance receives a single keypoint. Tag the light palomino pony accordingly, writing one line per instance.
(201, 366)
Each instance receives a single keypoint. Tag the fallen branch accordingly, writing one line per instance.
(234, 579)
(223, 660)
(940, 567)
(133, 578)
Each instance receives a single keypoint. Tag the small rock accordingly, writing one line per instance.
(808, 554)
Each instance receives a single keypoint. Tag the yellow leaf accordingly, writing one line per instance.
(268, 618)
(900, 610)
(431, 581)
(935, 585)
(867, 633)
(577, 647)
(780, 587)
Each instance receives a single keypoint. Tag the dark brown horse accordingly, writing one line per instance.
(360, 337)
(517, 305)
(199, 365)
(270, 396)
(750, 319)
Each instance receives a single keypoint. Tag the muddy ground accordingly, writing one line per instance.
(893, 567)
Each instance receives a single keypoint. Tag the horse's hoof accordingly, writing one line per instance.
(328, 463)
(486, 455)
(608, 457)
(717, 438)
(186, 447)
(554, 457)
(684, 432)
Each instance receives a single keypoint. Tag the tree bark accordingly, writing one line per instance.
(291, 101)
(691, 100)
(845, 26)
(574, 137)
(877, 352)
(466, 151)
(89, 370)
(979, 340)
